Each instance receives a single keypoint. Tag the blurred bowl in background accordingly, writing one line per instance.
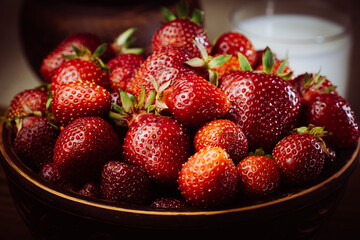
(44, 24)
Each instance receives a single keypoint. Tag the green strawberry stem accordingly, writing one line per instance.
(244, 63)
(208, 62)
(317, 132)
(159, 90)
(7, 121)
(268, 60)
(260, 152)
(183, 13)
(182, 9)
(131, 107)
(86, 54)
(283, 64)
(316, 82)
(168, 15)
(124, 41)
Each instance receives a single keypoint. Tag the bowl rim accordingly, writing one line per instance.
(170, 212)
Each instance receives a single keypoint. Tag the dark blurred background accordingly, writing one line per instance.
(17, 71)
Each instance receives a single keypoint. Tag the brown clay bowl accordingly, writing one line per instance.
(54, 213)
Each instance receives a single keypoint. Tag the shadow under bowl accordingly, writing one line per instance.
(54, 213)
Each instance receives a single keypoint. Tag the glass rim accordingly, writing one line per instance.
(304, 7)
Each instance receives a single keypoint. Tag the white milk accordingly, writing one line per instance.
(311, 43)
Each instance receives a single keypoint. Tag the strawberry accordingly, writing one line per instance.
(77, 69)
(54, 59)
(123, 69)
(168, 203)
(330, 157)
(157, 144)
(335, 114)
(27, 102)
(264, 106)
(234, 43)
(259, 175)
(34, 143)
(51, 174)
(300, 156)
(225, 134)
(209, 178)
(165, 64)
(121, 182)
(182, 31)
(24, 122)
(127, 60)
(83, 147)
(85, 66)
(192, 100)
(79, 99)
(90, 189)
(121, 78)
(310, 85)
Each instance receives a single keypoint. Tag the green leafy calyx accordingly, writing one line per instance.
(85, 54)
(183, 13)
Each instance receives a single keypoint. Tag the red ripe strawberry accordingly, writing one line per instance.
(234, 43)
(182, 31)
(330, 157)
(121, 78)
(310, 85)
(50, 173)
(129, 61)
(24, 123)
(209, 178)
(34, 143)
(225, 134)
(259, 176)
(56, 57)
(84, 146)
(121, 182)
(79, 99)
(79, 69)
(166, 64)
(192, 100)
(263, 105)
(335, 114)
(157, 144)
(27, 102)
(123, 69)
(168, 203)
(300, 156)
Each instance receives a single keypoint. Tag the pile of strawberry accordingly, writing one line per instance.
(189, 124)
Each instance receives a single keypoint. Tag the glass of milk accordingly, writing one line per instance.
(315, 35)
